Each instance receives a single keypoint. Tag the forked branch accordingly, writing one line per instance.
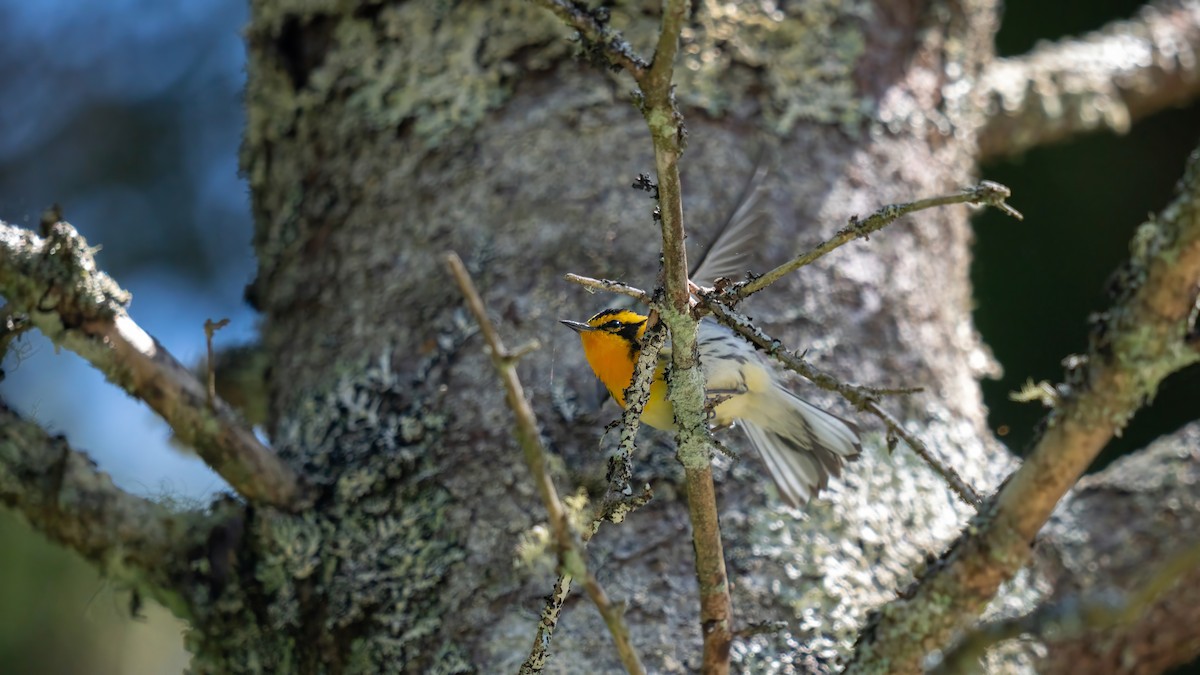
(1072, 616)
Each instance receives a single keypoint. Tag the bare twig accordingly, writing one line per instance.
(1134, 346)
(12, 326)
(211, 327)
(863, 398)
(985, 193)
(1104, 80)
(609, 285)
(1070, 617)
(570, 550)
(539, 656)
(54, 280)
(617, 499)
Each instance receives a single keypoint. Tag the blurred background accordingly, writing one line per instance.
(128, 114)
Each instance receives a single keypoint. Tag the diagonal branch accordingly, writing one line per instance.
(1148, 334)
(570, 550)
(54, 281)
(1104, 80)
(1117, 526)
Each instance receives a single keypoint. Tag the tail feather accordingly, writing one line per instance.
(801, 444)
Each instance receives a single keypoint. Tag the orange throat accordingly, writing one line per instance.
(611, 360)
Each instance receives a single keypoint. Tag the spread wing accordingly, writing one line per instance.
(729, 255)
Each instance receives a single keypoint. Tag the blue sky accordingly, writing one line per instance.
(128, 114)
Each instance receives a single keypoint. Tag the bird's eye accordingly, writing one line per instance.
(614, 325)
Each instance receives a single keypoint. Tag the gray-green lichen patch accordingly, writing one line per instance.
(437, 66)
(800, 57)
(360, 574)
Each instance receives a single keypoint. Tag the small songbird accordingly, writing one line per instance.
(801, 444)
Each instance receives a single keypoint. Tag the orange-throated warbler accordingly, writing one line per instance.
(801, 444)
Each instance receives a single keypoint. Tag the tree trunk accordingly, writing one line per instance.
(384, 134)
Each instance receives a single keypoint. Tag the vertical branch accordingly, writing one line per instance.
(687, 386)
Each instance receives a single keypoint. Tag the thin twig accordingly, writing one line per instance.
(539, 656)
(54, 280)
(211, 327)
(593, 29)
(1070, 617)
(760, 628)
(616, 501)
(570, 550)
(863, 398)
(609, 285)
(985, 193)
(619, 499)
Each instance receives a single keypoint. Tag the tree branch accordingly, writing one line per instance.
(53, 279)
(1118, 525)
(1104, 80)
(609, 285)
(570, 550)
(1143, 338)
(61, 493)
(686, 387)
(592, 26)
(985, 193)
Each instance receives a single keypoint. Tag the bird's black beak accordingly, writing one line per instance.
(576, 326)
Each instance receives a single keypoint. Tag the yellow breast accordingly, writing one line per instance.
(613, 362)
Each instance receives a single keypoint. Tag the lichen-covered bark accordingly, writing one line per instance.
(1155, 494)
(383, 135)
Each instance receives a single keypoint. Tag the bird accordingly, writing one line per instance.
(801, 444)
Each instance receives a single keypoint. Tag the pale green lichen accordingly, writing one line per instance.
(805, 57)
(364, 571)
(440, 66)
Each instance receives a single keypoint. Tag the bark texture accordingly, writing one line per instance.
(1154, 495)
(383, 134)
